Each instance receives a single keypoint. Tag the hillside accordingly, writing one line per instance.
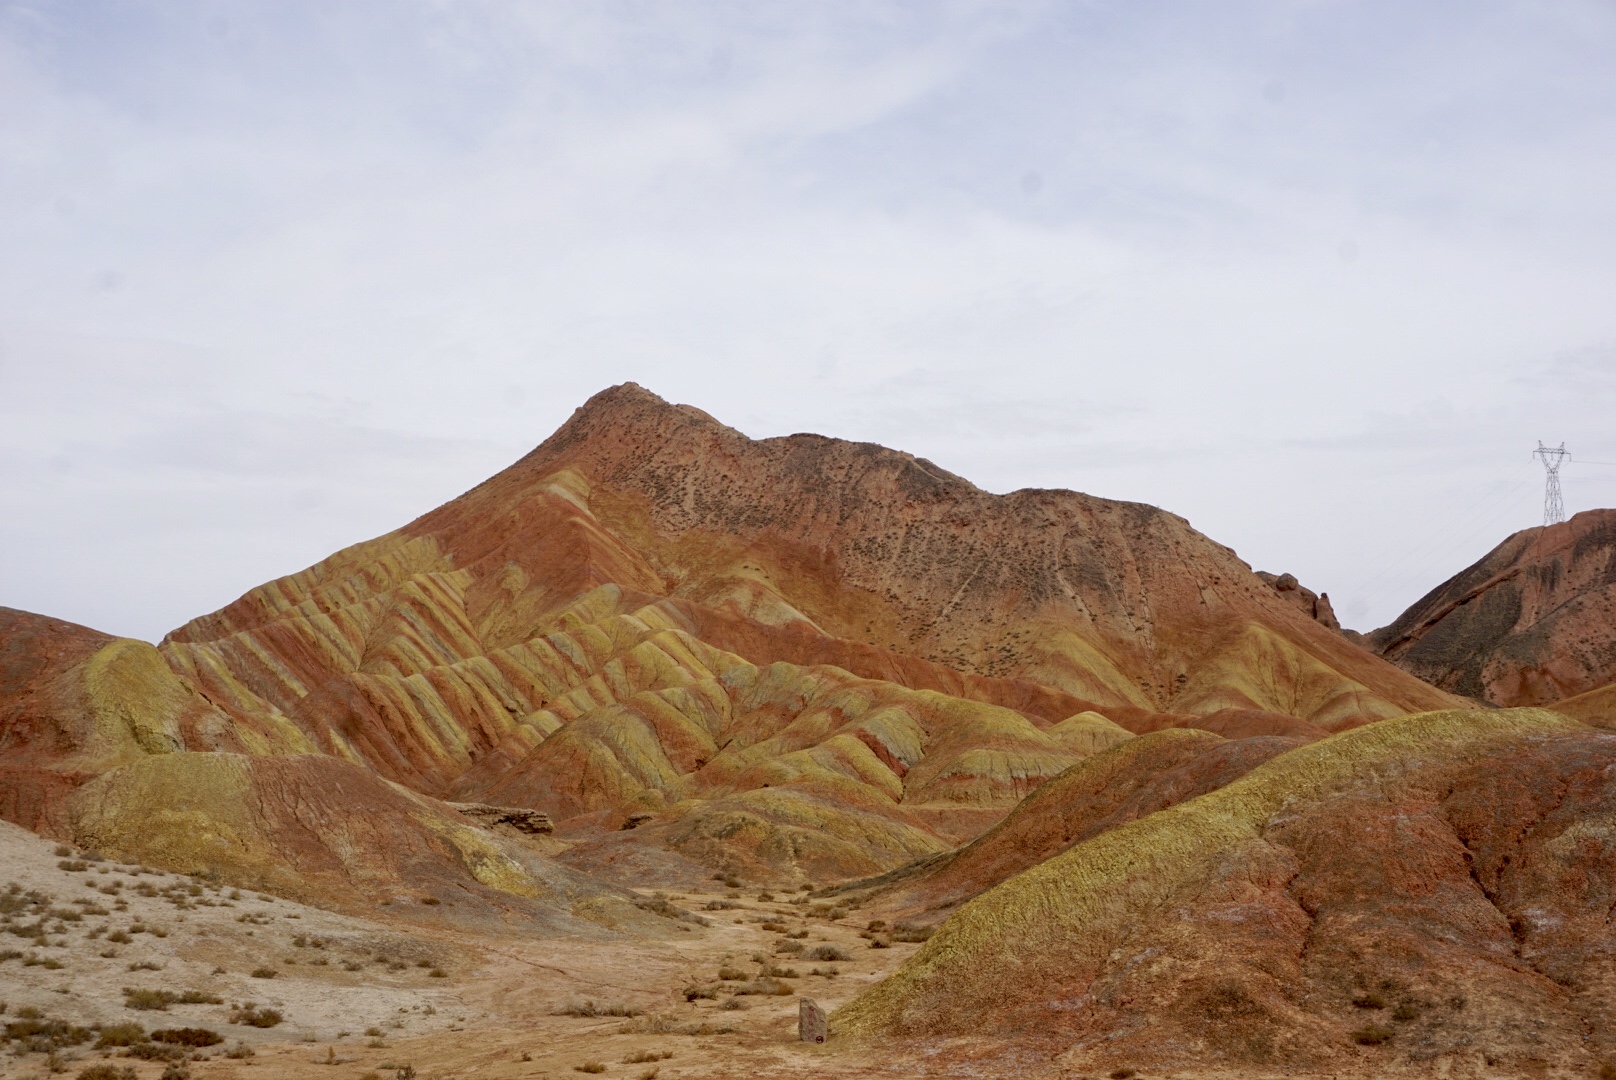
(1424, 896)
(1532, 622)
(801, 658)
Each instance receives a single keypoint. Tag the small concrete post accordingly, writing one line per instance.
(812, 1026)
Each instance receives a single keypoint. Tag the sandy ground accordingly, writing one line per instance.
(360, 1000)
(359, 996)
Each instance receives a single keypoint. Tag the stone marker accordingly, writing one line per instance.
(812, 1027)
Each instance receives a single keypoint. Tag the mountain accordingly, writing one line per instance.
(1425, 896)
(799, 658)
(1531, 623)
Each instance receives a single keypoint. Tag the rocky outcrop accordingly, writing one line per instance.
(1532, 622)
(526, 822)
(1315, 606)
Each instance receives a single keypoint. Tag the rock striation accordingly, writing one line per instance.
(1426, 895)
(1530, 623)
(801, 658)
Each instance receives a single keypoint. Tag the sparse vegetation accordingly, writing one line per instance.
(590, 1067)
(154, 1000)
(588, 1007)
(105, 1071)
(1406, 1011)
(1370, 1000)
(187, 1036)
(253, 1016)
(826, 952)
(663, 1024)
(765, 987)
(1371, 1035)
(641, 1057)
(910, 933)
(264, 973)
(660, 906)
(119, 1035)
(36, 1033)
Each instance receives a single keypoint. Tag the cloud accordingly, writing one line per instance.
(1314, 275)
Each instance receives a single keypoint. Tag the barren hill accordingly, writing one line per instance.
(1532, 622)
(798, 657)
(1427, 894)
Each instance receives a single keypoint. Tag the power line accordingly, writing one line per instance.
(1484, 511)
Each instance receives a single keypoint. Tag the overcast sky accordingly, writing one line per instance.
(276, 278)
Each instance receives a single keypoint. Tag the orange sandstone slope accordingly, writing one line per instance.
(101, 743)
(802, 656)
(798, 636)
(1427, 896)
(1532, 622)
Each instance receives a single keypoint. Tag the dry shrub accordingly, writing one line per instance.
(120, 1035)
(141, 998)
(765, 988)
(640, 1057)
(104, 1071)
(156, 1052)
(660, 906)
(826, 953)
(1372, 1035)
(590, 1067)
(253, 1016)
(911, 933)
(588, 1007)
(664, 1024)
(188, 1036)
(199, 997)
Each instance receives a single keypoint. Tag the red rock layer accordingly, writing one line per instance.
(1533, 621)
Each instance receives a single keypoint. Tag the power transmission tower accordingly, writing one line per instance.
(1552, 457)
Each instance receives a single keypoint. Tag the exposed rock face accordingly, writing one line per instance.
(527, 822)
(1532, 622)
(1314, 605)
(805, 657)
(1444, 878)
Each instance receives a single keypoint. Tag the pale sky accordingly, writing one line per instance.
(276, 278)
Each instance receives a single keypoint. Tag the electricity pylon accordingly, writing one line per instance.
(1553, 506)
